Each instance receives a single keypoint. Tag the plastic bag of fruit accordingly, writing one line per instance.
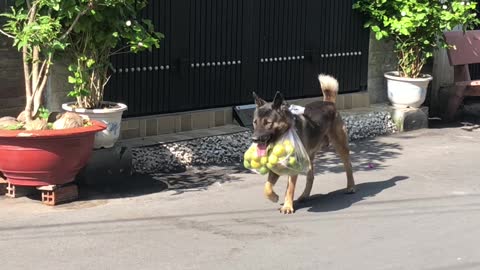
(286, 156)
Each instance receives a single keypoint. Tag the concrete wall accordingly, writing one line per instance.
(12, 93)
(380, 59)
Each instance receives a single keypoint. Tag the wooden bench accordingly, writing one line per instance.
(466, 51)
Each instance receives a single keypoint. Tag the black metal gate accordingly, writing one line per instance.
(216, 52)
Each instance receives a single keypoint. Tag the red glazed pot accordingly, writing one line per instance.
(46, 157)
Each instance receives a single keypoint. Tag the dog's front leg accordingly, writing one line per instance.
(268, 190)
(288, 204)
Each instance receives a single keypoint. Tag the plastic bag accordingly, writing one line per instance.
(286, 156)
(256, 159)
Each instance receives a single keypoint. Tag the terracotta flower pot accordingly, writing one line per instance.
(46, 157)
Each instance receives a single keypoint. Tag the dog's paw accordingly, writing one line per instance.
(287, 209)
(350, 190)
(272, 197)
(303, 198)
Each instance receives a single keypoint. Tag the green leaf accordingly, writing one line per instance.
(72, 80)
(90, 63)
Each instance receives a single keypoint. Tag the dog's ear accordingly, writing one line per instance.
(278, 101)
(258, 101)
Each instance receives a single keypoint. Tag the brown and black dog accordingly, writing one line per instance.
(318, 126)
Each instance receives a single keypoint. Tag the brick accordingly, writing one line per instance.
(18, 191)
(59, 195)
(3, 185)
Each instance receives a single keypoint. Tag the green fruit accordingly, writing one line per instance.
(292, 161)
(263, 170)
(270, 166)
(273, 159)
(246, 164)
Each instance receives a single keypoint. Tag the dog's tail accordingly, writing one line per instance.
(329, 86)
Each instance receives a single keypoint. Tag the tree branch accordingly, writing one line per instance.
(39, 91)
(28, 85)
(70, 29)
(6, 34)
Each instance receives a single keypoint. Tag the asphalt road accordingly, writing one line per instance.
(417, 207)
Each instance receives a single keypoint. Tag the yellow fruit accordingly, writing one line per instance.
(263, 160)
(255, 157)
(270, 166)
(263, 170)
(289, 149)
(272, 159)
(292, 161)
(247, 156)
(255, 164)
(287, 142)
(246, 164)
(279, 150)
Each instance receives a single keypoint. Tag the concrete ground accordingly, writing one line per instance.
(417, 207)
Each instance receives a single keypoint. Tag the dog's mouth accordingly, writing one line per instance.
(262, 149)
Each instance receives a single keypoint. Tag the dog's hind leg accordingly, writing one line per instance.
(268, 190)
(308, 185)
(339, 138)
(287, 207)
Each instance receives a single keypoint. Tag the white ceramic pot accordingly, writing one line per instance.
(406, 92)
(112, 117)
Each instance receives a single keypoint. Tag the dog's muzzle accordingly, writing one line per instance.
(263, 139)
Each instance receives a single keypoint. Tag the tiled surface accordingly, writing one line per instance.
(174, 124)
(182, 136)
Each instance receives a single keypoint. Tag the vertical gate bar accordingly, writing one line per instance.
(261, 46)
(237, 56)
(271, 50)
(302, 42)
(202, 27)
(229, 95)
(343, 76)
(275, 48)
(196, 48)
(216, 53)
(251, 48)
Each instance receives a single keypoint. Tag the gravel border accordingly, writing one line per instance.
(228, 149)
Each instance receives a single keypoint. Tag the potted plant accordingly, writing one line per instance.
(415, 27)
(111, 28)
(38, 148)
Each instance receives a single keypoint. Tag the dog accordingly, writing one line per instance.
(319, 126)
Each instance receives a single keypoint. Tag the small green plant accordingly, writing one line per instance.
(43, 113)
(111, 27)
(416, 26)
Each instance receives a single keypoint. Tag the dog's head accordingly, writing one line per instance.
(270, 120)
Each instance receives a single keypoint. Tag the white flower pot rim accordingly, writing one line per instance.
(394, 75)
(120, 107)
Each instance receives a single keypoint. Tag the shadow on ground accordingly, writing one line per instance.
(195, 179)
(338, 200)
(366, 155)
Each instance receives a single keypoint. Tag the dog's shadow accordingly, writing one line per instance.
(338, 200)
